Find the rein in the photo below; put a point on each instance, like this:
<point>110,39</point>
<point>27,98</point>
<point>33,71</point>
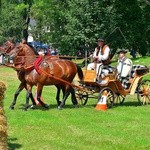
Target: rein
<point>61,80</point>
<point>21,62</point>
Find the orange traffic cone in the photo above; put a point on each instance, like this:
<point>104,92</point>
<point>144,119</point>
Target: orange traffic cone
<point>102,103</point>
<point>35,99</point>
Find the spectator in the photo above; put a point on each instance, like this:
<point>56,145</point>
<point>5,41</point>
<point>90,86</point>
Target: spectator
<point>48,51</point>
<point>53,52</point>
<point>133,53</point>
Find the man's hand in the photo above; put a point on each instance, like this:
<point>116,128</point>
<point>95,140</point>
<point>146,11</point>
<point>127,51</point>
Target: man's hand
<point>96,57</point>
<point>91,56</point>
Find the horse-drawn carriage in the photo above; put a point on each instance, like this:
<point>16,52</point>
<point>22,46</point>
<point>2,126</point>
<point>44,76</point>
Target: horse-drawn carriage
<point>116,90</point>
<point>43,73</point>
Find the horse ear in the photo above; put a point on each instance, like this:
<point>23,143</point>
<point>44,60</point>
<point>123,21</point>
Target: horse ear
<point>24,41</point>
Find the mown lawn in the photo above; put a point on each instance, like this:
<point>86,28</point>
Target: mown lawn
<point>125,127</point>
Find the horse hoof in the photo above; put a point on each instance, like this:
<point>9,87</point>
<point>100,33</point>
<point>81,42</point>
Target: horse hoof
<point>76,106</point>
<point>24,109</point>
<point>32,107</point>
<point>46,106</point>
<point>11,107</point>
<point>60,108</point>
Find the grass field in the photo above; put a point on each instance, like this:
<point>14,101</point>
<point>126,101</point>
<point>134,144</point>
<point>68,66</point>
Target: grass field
<point>125,127</point>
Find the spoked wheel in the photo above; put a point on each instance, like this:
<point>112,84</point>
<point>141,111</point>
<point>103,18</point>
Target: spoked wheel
<point>110,96</point>
<point>82,97</point>
<point>119,99</point>
<point>143,92</point>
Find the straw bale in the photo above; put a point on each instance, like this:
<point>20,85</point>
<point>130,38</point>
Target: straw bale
<point>3,121</point>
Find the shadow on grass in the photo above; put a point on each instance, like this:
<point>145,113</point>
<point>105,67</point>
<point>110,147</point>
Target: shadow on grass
<point>66,106</point>
<point>125,104</point>
<point>51,106</point>
<point>71,106</point>
<point>130,104</point>
<point>12,145</point>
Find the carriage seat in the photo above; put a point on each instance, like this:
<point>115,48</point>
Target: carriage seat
<point>139,70</point>
<point>107,74</point>
<point>136,70</point>
<point>90,75</point>
<point>107,70</point>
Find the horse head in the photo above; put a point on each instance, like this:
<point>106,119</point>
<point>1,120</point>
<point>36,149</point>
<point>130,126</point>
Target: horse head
<point>8,46</point>
<point>11,51</point>
<point>22,55</point>
<point>5,49</point>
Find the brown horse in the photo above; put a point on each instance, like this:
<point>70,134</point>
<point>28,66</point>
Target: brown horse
<point>61,69</point>
<point>8,47</point>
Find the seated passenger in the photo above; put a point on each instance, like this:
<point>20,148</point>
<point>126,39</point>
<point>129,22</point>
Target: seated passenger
<point>124,68</point>
<point>100,56</point>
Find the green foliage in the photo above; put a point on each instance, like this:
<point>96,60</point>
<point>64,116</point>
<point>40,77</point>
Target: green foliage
<point>130,19</point>
<point>11,23</point>
<point>76,24</point>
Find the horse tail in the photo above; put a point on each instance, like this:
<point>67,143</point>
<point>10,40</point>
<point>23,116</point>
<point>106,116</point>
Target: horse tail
<point>80,72</point>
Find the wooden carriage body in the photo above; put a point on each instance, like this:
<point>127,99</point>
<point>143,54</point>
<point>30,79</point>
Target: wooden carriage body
<point>116,87</point>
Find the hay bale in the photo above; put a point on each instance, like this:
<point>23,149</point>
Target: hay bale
<point>3,122</point>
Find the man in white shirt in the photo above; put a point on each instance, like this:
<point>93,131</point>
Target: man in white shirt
<point>100,56</point>
<point>124,64</point>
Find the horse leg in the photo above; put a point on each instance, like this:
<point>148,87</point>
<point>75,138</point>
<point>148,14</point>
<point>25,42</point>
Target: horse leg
<point>28,95</point>
<point>65,96</point>
<point>27,101</point>
<point>64,100</point>
<point>58,95</point>
<point>63,90</point>
<point>33,101</point>
<point>39,92</point>
<point>20,88</point>
<point>73,97</point>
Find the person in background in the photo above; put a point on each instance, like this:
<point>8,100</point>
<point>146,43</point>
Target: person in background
<point>100,57</point>
<point>48,51</point>
<point>133,53</point>
<point>41,52</point>
<point>53,52</point>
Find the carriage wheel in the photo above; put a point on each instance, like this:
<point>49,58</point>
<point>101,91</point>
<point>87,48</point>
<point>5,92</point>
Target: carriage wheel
<point>143,92</point>
<point>110,96</point>
<point>82,97</point>
<point>119,99</point>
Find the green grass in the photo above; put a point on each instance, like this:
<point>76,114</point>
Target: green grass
<point>125,127</point>
<point>139,60</point>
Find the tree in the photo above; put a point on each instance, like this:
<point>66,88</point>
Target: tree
<point>128,17</point>
<point>25,7</point>
<point>41,12</point>
<point>145,7</point>
<point>72,25</point>
<point>10,21</point>
<point>78,24</point>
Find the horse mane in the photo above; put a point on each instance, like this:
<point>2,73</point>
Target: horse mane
<point>34,50</point>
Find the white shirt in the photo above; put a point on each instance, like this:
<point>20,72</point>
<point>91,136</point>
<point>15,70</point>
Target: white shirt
<point>124,66</point>
<point>100,56</point>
